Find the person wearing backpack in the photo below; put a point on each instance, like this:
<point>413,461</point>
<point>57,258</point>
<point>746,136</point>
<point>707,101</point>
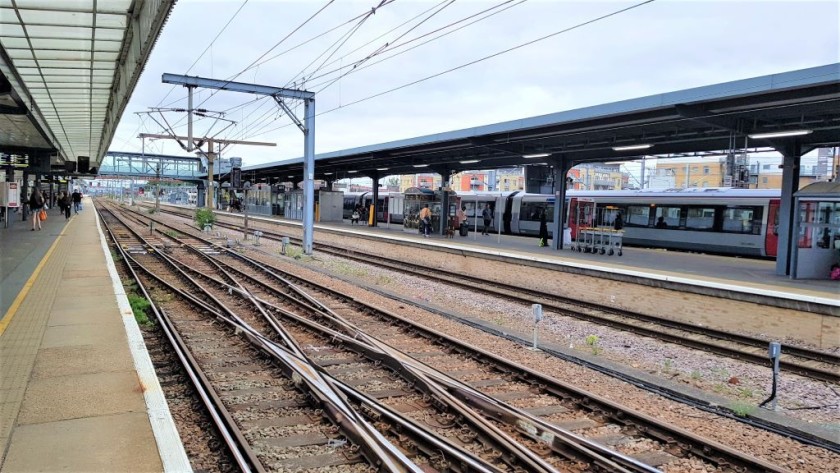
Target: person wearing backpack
<point>36,204</point>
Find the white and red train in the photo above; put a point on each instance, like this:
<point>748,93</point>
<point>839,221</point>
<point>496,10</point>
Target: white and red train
<point>711,220</point>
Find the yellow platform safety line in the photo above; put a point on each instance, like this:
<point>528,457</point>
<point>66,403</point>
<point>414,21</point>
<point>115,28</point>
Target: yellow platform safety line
<point>7,318</point>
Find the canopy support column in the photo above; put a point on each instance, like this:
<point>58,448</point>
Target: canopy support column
<point>561,170</point>
<point>790,184</point>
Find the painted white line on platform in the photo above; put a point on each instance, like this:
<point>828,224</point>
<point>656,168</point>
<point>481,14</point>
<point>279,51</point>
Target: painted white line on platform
<point>170,447</point>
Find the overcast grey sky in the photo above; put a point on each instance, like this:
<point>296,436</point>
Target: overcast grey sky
<point>657,47</point>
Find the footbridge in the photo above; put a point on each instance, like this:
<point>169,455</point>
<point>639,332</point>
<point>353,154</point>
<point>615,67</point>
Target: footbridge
<point>120,164</point>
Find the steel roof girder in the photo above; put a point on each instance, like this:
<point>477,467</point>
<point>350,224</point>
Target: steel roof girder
<point>192,81</point>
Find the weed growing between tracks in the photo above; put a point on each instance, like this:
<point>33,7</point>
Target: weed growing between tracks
<point>139,305</point>
<point>204,217</point>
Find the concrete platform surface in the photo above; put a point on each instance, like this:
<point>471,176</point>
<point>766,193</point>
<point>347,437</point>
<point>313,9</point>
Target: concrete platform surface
<point>71,398</point>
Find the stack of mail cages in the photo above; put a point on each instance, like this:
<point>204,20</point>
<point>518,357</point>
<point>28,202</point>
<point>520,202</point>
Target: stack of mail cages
<point>816,241</point>
<point>595,233</point>
<point>415,198</point>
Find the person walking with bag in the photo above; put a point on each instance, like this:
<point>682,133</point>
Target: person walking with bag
<point>36,206</point>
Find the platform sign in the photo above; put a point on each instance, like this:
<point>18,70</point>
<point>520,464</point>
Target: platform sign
<point>10,194</point>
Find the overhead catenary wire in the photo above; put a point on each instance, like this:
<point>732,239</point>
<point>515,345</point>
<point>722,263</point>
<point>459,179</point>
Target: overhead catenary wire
<point>391,44</point>
<point>476,61</point>
<point>356,66</point>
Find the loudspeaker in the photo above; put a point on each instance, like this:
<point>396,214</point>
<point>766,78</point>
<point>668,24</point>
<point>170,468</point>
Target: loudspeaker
<point>69,166</point>
<point>83,164</point>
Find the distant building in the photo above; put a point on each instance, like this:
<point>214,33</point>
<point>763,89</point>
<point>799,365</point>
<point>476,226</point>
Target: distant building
<point>597,177</point>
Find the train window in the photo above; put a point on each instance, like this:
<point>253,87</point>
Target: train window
<point>824,212</point>
<point>670,214</point>
<point>470,211</point>
<point>742,220</point>
<point>530,211</point>
<point>700,218</point>
<point>637,216</point>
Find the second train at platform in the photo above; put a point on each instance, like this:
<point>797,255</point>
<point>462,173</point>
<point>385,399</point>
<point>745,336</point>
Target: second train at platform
<point>711,220</point>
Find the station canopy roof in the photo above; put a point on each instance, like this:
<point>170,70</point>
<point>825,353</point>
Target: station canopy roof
<point>67,70</point>
<point>713,118</point>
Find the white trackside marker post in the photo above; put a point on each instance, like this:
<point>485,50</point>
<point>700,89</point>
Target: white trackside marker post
<point>538,316</point>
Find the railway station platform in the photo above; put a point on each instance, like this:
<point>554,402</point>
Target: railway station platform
<point>747,276</point>
<point>77,388</point>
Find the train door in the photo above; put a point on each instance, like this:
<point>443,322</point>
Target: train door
<point>771,233</point>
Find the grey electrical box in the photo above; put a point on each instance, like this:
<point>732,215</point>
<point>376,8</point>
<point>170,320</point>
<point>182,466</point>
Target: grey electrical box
<point>538,314</point>
<point>775,350</point>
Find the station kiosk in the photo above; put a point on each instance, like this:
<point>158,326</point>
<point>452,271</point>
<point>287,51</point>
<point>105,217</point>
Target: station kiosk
<point>415,198</point>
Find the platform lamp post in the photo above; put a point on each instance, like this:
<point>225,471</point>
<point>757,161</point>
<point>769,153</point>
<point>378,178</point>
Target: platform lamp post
<point>157,189</point>
<point>245,188</point>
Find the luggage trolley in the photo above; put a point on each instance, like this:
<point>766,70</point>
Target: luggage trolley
<point>614,242</point>
<point>584,222</point>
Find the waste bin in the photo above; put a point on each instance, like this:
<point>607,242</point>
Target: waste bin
<point>464,229</point>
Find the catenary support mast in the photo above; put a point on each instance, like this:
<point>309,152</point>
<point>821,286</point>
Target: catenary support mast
<point>307,127</point>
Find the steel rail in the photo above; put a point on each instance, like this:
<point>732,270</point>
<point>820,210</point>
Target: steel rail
<point>531,296</point>
<point>665,432</point>
<point>401,363</point>
<point>436,443</point>
<point>239,448</point>
<point>377,449</point>
<point>683,436</point>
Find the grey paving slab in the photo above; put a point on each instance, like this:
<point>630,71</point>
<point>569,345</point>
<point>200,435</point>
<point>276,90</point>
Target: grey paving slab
<point>84,334</point>
<point>108,443</point>
<point>93,315</point>
<point>86,359</point>
<point>103,299</point>
<point>85,395</point>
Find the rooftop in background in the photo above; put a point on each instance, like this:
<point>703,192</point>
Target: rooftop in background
<point>699,119</point>
<point>67,70</point>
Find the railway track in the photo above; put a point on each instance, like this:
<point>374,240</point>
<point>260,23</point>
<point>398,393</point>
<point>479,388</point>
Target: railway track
<point>478,381</point>
<point>220,358</point>
<point>802,361</point>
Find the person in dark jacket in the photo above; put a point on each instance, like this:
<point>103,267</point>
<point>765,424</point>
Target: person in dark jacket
<point>543,230</point>
<point>36,204</point>
<point>77,201</point>
<point>64,203</point>
<point>618,223</point>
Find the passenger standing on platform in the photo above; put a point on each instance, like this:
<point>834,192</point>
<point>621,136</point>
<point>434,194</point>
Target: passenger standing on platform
<point>36,204</point>
<point>77,201</point>
<point>354,217</point>
<point>426,221</point>
<point>59,202</point>
<point>487,215</point>
<point>461,214</point>
<point>618,223</point>
<point>64,203</point>
<point>543,230</point>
